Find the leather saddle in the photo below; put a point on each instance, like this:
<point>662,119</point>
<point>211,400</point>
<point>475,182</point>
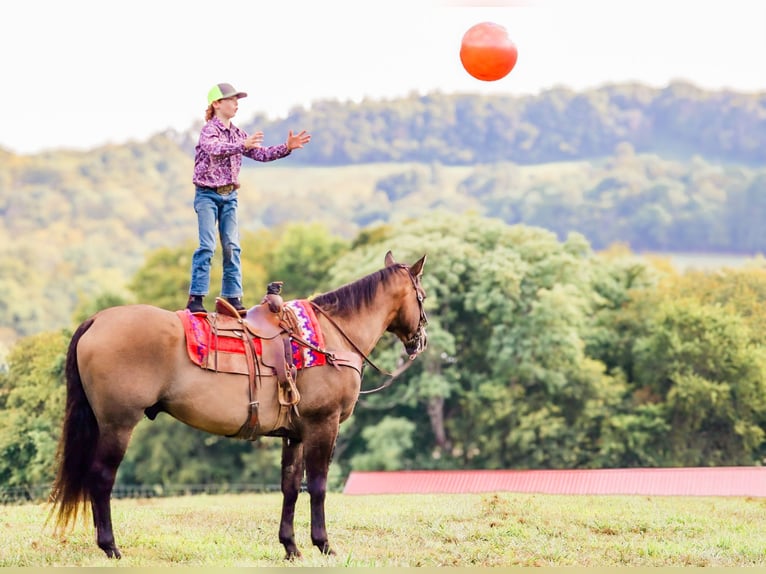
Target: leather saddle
<point>273,324</point>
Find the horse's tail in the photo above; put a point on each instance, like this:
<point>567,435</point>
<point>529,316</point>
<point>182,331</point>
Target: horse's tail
<point>77,444</point>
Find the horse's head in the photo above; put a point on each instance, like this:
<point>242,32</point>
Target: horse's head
<point>411,320</point>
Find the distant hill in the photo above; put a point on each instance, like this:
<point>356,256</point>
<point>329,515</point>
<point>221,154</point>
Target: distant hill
<point>673,169</point>
<point>679,121</point>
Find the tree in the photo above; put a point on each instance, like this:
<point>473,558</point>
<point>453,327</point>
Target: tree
<point>32,401</point>
<point>699,363</point>
<point>301,257</point>
<point>505,380</point>
<point>387,445</point>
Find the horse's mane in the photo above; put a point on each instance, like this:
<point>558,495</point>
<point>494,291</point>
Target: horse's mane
<point>360,293</point>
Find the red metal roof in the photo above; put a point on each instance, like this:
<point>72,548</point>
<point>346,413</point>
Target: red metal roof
<point>714,481</point>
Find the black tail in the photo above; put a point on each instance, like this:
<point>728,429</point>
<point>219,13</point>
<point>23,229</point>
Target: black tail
<point>77,444</point>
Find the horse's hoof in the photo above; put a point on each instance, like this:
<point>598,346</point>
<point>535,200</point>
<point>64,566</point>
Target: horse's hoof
<point>293,554</point>
<point>325,549</point>
<point>112,552</point>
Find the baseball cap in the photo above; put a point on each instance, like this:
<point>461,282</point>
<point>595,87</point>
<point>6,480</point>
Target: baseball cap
<point>220,91</point>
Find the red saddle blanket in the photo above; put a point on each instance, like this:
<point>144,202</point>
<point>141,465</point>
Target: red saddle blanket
<point>200,341</point>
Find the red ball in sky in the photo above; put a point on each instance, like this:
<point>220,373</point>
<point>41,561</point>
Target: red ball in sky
<point>487,53</point>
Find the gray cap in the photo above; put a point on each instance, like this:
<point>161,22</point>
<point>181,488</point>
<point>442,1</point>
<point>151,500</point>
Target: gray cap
<point>220,91</point>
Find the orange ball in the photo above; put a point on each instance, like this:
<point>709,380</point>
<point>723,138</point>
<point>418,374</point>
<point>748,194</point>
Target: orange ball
<point>487,52</point>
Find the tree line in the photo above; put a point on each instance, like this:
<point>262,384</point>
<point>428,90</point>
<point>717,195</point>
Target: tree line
<point>677,121</point>
<point>542,354</point>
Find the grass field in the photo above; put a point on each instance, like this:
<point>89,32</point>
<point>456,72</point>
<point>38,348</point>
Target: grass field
<point>488,530</point>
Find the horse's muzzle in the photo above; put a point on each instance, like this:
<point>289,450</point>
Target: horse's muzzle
<point>417,344</point>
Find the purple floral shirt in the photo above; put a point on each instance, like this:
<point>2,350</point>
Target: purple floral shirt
<point>218,155</point>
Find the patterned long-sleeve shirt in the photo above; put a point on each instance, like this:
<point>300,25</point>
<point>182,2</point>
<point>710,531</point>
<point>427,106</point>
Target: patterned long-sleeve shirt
<point>218,155</point>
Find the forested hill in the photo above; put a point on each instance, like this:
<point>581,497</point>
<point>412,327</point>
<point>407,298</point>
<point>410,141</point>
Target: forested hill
<point>678,121</point>
<point>673,169</point>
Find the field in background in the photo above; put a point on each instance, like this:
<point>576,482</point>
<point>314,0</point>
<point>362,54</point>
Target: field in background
<point>707,261</point>
<point>486,530</point>
<point>307,183</point>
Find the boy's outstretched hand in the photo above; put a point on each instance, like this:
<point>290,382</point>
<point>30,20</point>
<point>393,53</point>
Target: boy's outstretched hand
<point>298,140</point>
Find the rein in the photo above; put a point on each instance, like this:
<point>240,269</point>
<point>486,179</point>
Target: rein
<point>398,371</point>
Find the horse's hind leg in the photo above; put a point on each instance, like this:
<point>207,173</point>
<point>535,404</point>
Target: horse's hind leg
<point>292,476</point>
<point>102,473</point>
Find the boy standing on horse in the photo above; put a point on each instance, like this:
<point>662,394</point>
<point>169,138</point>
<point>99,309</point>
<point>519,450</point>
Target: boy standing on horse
<point>217,162</point>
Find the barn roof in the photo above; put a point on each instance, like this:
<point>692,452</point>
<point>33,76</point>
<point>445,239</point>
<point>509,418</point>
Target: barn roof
<point>713,481</point>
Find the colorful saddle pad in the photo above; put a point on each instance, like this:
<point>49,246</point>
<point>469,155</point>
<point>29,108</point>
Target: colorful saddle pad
<point>200,341</point>
<point>311,332</point>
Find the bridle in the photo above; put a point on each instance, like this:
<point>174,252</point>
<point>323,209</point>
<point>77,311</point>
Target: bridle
<point>423,317</point>
<point>423,321</point>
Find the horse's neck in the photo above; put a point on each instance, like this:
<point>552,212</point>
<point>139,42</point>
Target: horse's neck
<point>367,325</point>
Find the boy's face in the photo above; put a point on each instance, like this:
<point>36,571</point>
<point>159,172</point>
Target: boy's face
<point>226,107</point>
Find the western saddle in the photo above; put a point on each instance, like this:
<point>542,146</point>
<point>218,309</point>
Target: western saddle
<point>275,324</point>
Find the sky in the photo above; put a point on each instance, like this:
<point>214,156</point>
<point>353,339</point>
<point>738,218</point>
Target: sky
<point>78,74</point>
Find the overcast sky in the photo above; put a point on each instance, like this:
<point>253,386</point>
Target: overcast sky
<point>81,73</point>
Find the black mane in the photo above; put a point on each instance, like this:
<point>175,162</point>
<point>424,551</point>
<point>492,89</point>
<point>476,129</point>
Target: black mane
<point>360,293</point>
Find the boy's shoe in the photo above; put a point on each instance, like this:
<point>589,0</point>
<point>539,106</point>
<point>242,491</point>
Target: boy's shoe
<point>195,304</point>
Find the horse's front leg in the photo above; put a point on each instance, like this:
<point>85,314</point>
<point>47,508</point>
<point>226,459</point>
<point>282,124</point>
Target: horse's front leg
<point>292,476</point>
<point>318,452</point>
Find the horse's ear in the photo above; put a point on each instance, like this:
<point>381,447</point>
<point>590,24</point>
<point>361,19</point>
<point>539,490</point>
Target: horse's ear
<point>417,268</point>
<point>390,259</point>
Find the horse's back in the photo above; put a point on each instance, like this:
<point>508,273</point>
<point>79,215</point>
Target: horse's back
<point>139,332</point>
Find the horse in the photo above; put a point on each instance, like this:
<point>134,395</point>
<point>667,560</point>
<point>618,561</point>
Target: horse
<point>130,361</point>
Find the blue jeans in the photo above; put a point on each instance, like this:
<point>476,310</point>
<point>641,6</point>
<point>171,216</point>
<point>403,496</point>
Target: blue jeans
<point>216,213</point>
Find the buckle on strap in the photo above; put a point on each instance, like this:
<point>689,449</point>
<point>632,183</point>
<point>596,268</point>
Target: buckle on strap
<point>226,189</point>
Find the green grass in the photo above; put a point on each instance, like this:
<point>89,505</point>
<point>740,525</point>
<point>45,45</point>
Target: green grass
<point>468,530</point>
